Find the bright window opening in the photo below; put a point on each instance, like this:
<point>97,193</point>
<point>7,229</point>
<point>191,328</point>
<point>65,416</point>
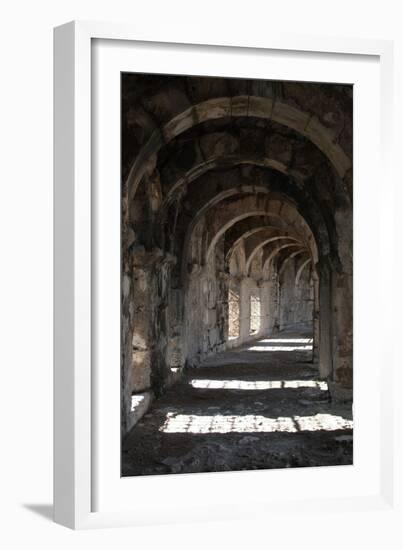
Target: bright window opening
<point>233,315</point>
<point>254,326</point>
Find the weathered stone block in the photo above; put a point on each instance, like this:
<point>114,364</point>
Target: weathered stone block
<point>141,370</point>
<point>125,286</point>
<point>142,334</point>
<point>218,144</point>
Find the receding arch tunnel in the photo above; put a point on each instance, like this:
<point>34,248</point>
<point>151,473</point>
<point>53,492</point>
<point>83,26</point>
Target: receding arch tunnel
<point>236,229</point>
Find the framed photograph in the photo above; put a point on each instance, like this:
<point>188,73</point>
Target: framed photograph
<point>220,233</point>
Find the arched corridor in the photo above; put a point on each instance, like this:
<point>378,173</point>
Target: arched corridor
<point>236,274</point>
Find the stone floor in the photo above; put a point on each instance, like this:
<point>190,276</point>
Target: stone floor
<point>260,406</point>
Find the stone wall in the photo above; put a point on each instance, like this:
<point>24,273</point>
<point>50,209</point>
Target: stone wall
<point>206,309</point>
<point>232,184</point>
<point>296,299</point>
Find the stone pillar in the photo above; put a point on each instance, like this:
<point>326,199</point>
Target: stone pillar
<point>325,320</point>
<point>269,306</point>
<point>265,307</point>
<point>154,196</point>
<point>223,280</point>
<point>244,310</point>
<point>195,298</point>
<point>336,326</point>
<point>342,298</point>
<point>342,302</point>
<point>142,375</point>
<point>127,313</point>
<point>276,305</point>
<point>316,320</point>
<point>144,295</point>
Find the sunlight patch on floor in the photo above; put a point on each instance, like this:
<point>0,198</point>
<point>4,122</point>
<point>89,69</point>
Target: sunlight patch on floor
<point>196,424</point>
<point>286,341</point>
<point>257,384</point>
<point>280,348</point>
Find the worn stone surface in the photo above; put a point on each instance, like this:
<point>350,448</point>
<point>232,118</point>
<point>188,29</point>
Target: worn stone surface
<point>241,410</point>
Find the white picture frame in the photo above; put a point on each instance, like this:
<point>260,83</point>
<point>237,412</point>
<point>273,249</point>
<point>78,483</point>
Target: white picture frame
<point>80,423</point>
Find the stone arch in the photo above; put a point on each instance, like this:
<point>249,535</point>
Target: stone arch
<point>243,234</point>
<point>217,150</point>
<point>301,269</point>
<point>290,257</point>
<point>265,242</point>
<point>271,206</point>
<point>259,107</point>
<point>318,219</point>
<point>232,220</point>
<point>273,253</point>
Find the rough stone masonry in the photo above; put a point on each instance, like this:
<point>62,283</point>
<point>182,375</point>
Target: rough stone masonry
<point>236,226</point>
